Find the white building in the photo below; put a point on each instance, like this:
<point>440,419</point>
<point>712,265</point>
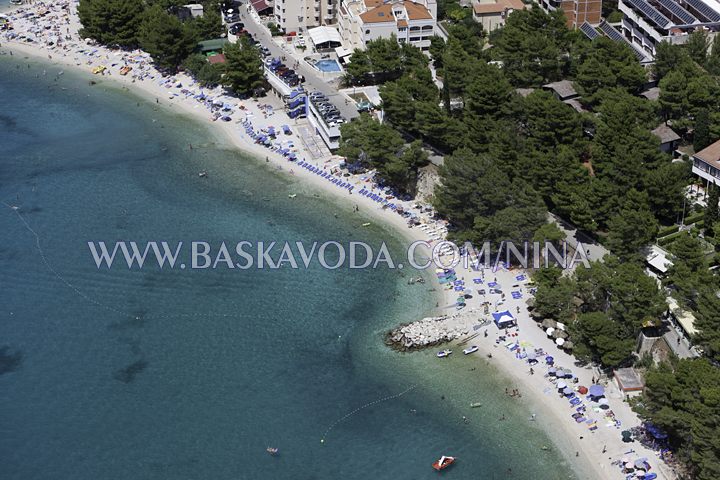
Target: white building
<point>647,23</point>
<point>491,14</point>
<point>706,164</point>
<point>300,15</point>
<point>413,22</point>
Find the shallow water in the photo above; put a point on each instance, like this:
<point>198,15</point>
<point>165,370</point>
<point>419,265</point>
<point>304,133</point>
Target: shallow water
<point>192,374</point>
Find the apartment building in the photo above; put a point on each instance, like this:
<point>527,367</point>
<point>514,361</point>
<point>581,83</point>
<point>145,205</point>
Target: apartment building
<point>300,15</point>
<point>706,164</point>
<point>577,12</point>
<point>647,23</point>
<point>360,21</point>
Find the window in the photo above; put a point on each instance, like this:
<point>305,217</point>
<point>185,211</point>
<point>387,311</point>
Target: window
<point>414,39</point>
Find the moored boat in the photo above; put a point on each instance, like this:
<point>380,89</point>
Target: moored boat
<point>470,350</point>
<point>476,405</point>
<point>272,450</point>
<point>444,353</point>
<point>443,463</point>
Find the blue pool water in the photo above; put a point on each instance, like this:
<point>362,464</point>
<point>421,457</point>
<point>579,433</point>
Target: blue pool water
<point>328,66</point>
<point>168,374</point>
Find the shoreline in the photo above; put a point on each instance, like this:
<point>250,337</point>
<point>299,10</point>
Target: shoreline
<point>552,421</point>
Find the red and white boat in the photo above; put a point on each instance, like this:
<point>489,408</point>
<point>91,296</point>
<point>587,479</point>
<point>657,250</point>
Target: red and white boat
<point>443,463</point>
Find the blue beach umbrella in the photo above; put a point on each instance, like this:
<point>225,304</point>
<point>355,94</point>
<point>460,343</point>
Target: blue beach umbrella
<point>596,391</point>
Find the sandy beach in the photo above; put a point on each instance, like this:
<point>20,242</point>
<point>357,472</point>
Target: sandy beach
<point>592,452</point>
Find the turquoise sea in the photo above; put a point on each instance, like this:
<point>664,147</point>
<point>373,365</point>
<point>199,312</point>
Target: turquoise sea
<point>179,374</point>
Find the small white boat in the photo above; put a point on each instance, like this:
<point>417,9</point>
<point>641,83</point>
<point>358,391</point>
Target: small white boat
<point>476,405</point>
<point>292,195</point>
<point>444,353</point>
<point>470,350</point>
<point>202,174</point>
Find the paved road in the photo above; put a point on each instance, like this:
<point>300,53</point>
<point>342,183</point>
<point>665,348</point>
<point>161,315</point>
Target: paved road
<point>681,347</point>
<point>313,80</point>
<point>573,237</point>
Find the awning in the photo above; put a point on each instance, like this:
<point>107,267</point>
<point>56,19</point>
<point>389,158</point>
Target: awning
<point>260,6</point>
<point>686,321</point>
<point>342,52</point>
<point>324,34</point>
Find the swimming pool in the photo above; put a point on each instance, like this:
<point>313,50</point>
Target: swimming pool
<point>328,66</point>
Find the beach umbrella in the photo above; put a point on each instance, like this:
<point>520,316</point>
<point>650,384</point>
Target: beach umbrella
<point>551,371</point>
<point>626,437</point>
<point>567,390</point>
<point>561,385</point>
<point>568,345</point>
<point>550,331</point>
<point>559,341</point>
<point>582,390</point>
<point>531,356</point>
<point>568,373</point>
<point>549,360</point>
<point>640,463</point>
<point>603,401</point>
<point>596,391</point>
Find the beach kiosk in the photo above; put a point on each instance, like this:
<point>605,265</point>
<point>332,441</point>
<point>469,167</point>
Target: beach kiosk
<point>504,319</point>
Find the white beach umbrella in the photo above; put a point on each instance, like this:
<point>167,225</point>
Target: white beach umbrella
<point>550,331</point>
<point>559,341</point>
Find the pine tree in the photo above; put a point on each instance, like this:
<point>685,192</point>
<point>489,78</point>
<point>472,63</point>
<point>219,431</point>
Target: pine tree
<point>243,67</point>
<point>712,211</point>
<point>111,22</point>
<point>701,135</point>
<point>165,38</point>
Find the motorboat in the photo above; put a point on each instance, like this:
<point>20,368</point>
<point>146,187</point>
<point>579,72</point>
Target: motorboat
<point>470,350</point>
<point>292,195</point>
<point>202,174</point>
<point>444,353</point>
<point>443,463</point>
<point>476,405</point>
<point>272,450</point>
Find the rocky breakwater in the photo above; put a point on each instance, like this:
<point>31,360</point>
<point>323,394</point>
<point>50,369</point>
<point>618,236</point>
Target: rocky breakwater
<point>427,332</point>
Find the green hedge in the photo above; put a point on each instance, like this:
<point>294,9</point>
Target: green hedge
<point>664,231</point>
<point>670,238</point>
<point>695,217</point>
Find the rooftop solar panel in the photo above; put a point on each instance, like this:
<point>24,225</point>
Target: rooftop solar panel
<point>650,12</point>
<point>703,10</point>
<point>589,31</point>
<point>616,36</point>
<point>678,11</point>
